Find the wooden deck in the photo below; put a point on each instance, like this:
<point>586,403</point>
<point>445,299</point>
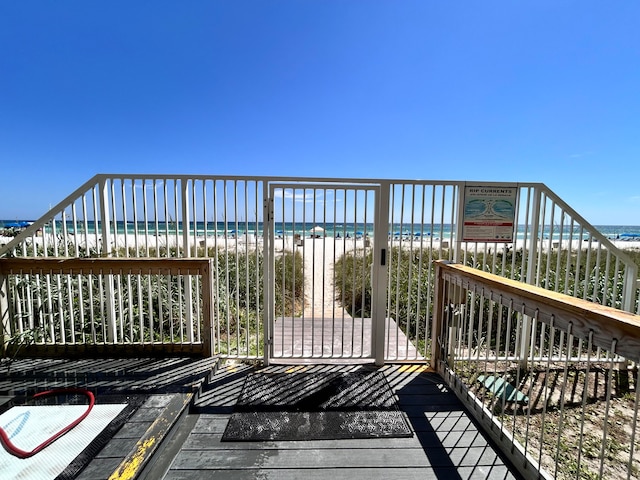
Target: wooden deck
<point>160,391</point>
<point>446,443</point>
<point>184,410</point>
<point>340,337</point>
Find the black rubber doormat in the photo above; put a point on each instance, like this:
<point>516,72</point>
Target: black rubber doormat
<point>316,406</point>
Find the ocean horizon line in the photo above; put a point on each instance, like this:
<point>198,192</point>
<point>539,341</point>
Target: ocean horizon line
<point>244,227</point>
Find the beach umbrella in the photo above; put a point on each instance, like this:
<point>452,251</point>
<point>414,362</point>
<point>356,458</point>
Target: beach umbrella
<point>317,228</point>
<point>359,233</point>
<point>17,224</point>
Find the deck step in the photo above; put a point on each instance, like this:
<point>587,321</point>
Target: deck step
<point>144,449</point>
<point>146,454</point>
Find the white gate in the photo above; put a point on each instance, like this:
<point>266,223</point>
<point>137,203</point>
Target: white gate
<point>325,246</point>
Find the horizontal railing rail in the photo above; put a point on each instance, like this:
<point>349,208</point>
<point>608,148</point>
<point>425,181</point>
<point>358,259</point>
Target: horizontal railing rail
<point>80,306</point>
<point>565,406</point>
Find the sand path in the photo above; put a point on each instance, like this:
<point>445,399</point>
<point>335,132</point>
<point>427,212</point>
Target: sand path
<point>320,255</point>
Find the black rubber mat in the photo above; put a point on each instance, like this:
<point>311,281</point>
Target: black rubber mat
<point>316,391</point>
<point>81,461</point>
<point>316,406</point>
<point>330,425</point>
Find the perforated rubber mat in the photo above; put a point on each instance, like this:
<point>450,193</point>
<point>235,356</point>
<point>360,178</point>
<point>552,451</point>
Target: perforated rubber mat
<point>316,406</point>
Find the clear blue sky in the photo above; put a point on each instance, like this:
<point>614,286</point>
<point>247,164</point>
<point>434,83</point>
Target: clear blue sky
<point>540,91</point>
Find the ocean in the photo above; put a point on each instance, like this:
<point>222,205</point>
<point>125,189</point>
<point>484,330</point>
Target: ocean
<point>240,228</point>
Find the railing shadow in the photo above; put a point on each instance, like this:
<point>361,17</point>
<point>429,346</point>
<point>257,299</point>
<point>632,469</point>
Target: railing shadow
<point>453,443</point>
<point>142,375</point>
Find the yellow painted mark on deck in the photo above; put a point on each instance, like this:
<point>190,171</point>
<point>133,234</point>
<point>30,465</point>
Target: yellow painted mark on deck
<point>297,368</point>
<point>414,368</point>
<point>130,469</point>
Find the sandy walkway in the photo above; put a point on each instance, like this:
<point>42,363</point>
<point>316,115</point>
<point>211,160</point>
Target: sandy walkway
<point>319,256</point>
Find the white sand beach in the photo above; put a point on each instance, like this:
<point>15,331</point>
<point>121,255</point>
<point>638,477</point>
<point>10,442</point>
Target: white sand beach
<point>330,244</point>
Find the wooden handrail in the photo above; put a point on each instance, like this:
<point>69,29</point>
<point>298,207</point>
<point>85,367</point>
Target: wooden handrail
<point>116,266</point>
<point>608,324</point>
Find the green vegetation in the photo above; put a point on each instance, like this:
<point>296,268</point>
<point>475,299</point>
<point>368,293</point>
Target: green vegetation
<point>239,297</point>
<point>13,344</point>
<point>577,273</point>
<point>152,308</point>
<point>77,303</point>
<point>408,302</point>
<point>410,277</point>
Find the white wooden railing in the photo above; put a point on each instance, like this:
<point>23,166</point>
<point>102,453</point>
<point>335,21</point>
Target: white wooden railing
<point>541,371</point>
<point>225,219</point>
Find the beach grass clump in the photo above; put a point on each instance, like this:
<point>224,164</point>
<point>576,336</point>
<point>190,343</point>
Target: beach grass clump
<point>75,308</point>
<point>239,297</point>
<point>409,276</point>
<point>574,273</point>
<point>152,308</point>
<point>353,289</point>
<point>289,284</point>
<point>577,273</point>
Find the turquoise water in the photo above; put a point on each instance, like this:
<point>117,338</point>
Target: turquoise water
<point>291,228</point>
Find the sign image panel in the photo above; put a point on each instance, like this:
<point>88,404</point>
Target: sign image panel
<point>489,214</point>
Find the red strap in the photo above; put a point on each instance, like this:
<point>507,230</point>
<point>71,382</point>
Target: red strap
<point>17,452</point>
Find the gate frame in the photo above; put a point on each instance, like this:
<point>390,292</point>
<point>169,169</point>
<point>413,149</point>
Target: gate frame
<point>379,269</point>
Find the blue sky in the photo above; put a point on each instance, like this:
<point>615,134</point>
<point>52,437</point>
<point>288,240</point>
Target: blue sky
<point>542,91</point>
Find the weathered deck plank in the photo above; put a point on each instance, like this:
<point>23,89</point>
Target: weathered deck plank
<point>328,337</point>
<point>152,384</point>
<point>446,443</point>
<point>406,473</point>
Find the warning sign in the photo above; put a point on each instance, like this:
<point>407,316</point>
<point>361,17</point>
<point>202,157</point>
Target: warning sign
<point>489,214</point>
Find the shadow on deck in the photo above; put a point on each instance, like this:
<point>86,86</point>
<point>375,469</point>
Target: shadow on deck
<point>184,409</point>
<point>337,337</point>
<point>446,443</point>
